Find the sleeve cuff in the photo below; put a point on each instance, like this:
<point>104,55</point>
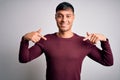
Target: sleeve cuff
<point>105,44</point>
<point>24,40</point>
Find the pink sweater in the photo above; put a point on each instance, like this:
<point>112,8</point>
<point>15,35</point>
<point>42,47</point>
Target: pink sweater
<point>64,56</point>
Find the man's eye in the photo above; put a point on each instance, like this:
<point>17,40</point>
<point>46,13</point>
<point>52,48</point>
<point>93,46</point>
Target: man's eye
<point>59,16</point>
<point>68,16</point>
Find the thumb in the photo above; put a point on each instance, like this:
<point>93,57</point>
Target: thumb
<point>39,30</point>
<point>87,37</point>
<point>87,33</point>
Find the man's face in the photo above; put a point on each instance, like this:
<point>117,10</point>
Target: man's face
<point>64,19</point>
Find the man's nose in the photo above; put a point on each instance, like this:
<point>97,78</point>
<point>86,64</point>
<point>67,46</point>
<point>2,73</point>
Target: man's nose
<point>64,19</point>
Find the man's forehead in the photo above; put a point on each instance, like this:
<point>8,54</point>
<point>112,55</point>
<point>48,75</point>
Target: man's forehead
<point>65,12</point>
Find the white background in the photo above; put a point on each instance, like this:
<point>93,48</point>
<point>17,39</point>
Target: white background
<point>18,17</point>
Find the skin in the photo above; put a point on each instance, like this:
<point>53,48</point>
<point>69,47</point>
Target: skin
<point>34,36</point>
<point>64,20</point>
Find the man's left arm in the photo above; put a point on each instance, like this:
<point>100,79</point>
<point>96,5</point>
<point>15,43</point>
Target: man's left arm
<point>103,56</point>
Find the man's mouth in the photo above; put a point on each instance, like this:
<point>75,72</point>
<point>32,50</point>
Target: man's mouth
<point>63,24</point>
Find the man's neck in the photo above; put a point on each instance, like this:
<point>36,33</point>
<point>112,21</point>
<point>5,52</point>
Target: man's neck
<point>67,34</point>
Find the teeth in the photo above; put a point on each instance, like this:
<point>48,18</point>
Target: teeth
<point>63,24</point>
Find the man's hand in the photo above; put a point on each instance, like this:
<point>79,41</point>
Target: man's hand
<point>34,36</point>
<point>94,37</point>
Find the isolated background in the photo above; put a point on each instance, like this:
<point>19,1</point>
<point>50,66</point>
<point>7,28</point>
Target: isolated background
<point>18,17</point>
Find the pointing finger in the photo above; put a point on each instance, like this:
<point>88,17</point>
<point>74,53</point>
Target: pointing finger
<point>88,36</point>
<point>43,37</point>
<point>39,31</point>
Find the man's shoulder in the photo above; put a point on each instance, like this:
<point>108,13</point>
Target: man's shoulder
<point>79,36</point>
<point>87,42</point>
<point>50,36</point>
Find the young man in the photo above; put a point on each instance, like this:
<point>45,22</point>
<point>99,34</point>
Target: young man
<point>65,50</point>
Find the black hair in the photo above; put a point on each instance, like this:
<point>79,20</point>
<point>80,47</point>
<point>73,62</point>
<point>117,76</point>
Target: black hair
<point>64,6</point>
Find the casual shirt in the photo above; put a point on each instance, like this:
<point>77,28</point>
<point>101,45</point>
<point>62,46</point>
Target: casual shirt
<point>64,56</point>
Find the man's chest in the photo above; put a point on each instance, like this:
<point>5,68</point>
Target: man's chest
<point>65,50</point>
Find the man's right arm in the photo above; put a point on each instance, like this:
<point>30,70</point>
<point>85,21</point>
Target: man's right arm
<point>27,54</point>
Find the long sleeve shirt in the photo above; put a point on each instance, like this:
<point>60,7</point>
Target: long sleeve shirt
<point>64,56</point>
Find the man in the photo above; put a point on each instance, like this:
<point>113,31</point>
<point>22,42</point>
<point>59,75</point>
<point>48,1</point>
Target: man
<point>65,50</point>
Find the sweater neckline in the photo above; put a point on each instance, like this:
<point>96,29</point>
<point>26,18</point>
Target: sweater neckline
<point>64,38</point>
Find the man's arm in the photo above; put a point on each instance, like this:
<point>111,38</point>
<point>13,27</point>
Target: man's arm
<point>103,56</point>
<point>27,54</point>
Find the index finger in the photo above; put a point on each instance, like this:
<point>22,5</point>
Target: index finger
<point>43,37</point>
<point>86,38</point>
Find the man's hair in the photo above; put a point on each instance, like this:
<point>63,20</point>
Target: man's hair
<point>64,6</point>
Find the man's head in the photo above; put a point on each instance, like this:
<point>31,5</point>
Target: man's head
<point>64,6</point>
<point>64,16</point>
